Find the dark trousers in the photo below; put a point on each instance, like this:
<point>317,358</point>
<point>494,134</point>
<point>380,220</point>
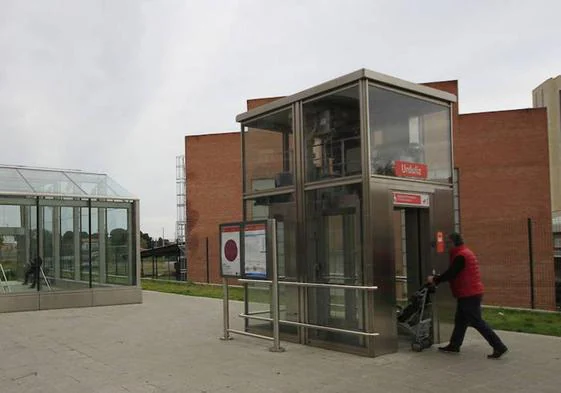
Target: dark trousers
<point>29,272</point>
<point>468,313</point>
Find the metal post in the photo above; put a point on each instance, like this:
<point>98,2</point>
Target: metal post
<point>153,258</point>
<point>207,263</point>
<point>90,241</point>
<point>169,270</point>
<point>226,316</point>
<point>39,245</point>
<point>272,229</point>
<point>531,261</point>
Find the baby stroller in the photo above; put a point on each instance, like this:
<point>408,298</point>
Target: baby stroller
<point>416,319</point>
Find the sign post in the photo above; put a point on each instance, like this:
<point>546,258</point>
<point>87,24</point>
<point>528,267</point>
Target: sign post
<point>248,250</point>
<point>230,265</point>
<point>272,228</point>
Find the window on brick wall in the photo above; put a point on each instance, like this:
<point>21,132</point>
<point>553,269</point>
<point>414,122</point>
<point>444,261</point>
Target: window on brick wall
<point>456,183</point>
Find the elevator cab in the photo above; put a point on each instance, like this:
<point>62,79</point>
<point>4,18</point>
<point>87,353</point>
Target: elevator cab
<point>357,172</point>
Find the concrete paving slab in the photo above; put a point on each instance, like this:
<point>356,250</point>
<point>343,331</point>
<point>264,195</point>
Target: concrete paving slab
<point>170,344</point>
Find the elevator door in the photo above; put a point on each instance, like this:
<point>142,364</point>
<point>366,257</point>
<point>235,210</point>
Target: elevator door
<point>338,261</point>
<point>412,251</point>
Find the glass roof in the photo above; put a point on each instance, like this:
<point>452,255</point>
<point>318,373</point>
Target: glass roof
<point>19,180</point>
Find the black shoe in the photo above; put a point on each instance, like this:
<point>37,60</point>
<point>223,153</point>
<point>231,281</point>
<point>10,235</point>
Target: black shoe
<point>449,349</point>
<point>497,353</point>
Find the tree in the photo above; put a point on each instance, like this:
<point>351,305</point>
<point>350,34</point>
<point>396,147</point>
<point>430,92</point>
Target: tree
<point>145,240</point>
<point>118,237</point>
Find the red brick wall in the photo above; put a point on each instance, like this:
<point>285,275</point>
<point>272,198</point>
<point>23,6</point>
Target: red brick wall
<point>502,158</point>
<point>504,179</point>
<point>214,189</point>
<point>255,102</point>
<point>214,194</point>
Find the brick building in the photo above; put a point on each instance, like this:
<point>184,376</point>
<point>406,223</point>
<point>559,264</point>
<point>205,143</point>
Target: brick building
<point>502,168</point>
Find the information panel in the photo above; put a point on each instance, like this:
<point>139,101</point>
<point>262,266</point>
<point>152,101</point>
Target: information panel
<point>255,250</point>
<point>230,250</point>
<point>243,250</point>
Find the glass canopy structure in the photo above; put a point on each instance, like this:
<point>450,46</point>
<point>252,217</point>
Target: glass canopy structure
<point>64,232</point>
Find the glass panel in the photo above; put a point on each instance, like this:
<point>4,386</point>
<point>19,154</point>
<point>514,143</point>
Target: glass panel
<point>84,244</point>
<point>334,239</point>
<point>10,180</point>
<point>67,251</point>
<point>32,231</point>
<point>410,137</point>
<point>51,182</point>
<point>30,275</point>
<point>269,151</point>
<point>259,305</point>
<point>118,258</point>
<point>283,209</point>
<point>98,184</point>
<point>332,135</point>
<point>10,219</point>
<point>13,249</point>
<point>47,231</point>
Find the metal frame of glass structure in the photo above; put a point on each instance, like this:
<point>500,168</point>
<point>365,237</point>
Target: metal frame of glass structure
<point>324,164</point>
<point>83,226</point>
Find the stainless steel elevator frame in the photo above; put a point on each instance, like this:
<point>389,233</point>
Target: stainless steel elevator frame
<point>377,260</point>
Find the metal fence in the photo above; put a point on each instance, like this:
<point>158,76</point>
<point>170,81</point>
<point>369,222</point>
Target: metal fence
<point>159,268</point>
<point>520,261</point>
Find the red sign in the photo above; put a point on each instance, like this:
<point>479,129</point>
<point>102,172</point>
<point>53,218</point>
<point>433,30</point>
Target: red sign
<point>402,198</point>
<point>439,242</point>
<point>411,169</point>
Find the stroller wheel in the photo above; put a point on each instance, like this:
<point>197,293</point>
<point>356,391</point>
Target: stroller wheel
<point>416,347</point>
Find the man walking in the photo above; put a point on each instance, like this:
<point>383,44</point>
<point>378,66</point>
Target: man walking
<point>465,282</point>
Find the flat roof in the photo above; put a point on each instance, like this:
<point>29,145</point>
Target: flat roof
<point>344,80</point>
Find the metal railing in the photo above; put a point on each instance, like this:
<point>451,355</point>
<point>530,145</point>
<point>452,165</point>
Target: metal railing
<point>275,318</point>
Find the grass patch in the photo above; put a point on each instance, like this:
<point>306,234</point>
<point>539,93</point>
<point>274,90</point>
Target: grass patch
<point>190,289</point>
<point>500,319</point>
<point>524,321</point>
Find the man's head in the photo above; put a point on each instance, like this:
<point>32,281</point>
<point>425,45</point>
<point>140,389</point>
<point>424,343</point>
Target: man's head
<point>456,239</point>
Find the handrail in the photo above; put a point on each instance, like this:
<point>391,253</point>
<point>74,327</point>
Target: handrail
<point>312,326</point>
<point>311,284</point>
<point>275,311</point>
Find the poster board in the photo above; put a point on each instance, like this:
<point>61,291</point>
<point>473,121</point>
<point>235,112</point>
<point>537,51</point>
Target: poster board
<point>230,249</point>
<point>243,250</point>
<point>255,260</point>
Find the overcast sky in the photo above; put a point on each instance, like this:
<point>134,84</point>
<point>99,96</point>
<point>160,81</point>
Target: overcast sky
<point>114,86</point>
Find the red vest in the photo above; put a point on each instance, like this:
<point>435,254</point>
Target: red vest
<point>468,282</point>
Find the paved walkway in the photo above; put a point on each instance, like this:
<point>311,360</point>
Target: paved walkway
<point>169,344</point>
